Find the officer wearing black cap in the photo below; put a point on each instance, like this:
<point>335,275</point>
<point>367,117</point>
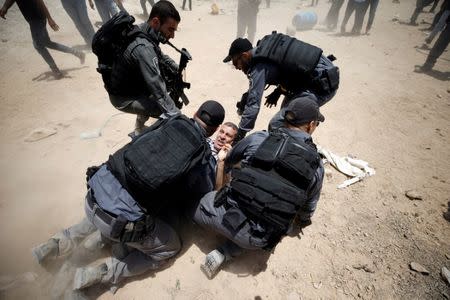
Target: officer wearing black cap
<point>277,185</point>
<point>262,71</point>
<point>165,167</point>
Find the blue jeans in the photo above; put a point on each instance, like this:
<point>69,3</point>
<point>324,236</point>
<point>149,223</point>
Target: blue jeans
<point>106,9</point>
<point>41,41</point>
<point>77,11</point>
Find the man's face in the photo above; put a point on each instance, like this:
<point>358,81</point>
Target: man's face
<point>225,135</point>
<point>241,62</point>
<point>167,29</point>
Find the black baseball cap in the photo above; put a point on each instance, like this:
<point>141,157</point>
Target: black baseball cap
<point>211,113</point>
<point>238,46</point>
<point>303,110</point>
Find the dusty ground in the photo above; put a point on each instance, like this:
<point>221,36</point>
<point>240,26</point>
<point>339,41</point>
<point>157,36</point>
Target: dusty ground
<point>362,238</point>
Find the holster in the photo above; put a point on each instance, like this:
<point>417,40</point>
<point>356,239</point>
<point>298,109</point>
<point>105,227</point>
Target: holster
<point>137,231</point>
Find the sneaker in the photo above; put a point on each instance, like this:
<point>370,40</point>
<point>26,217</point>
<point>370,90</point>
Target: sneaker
<point>45,250</point>
<point>422,69</point>
<point>212,264</point>
<point>88,276</point>
<point>57,73</point>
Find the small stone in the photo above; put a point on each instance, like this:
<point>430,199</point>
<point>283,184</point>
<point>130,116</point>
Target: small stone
<point>445,274</point>
<point>418,268</point>
<point>317,285</point>
<point>291,31</point>
<point>445,295</point>
<point>447,256</point>
<point>364,267</point>
<point>439,96</point>
<point>413,195</point>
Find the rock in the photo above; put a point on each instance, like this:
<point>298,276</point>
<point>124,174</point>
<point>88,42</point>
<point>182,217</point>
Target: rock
<point>364,267</point>
<point>317,285</point>
<point>445,274</point>
<point>445,295</point>
<point>448,90</point>
<point>439,96</point>
<point>290,31</point>
<point>39,134</point>
<point>418,268</point>
<point>447,256</point>
<point>413,195</point>
<point>214,9</point>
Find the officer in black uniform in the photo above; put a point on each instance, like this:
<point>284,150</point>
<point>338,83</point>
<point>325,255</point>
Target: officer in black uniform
<point>279,180</point>
<point>262,70</point>
<point>165,168</point>
<point>137,82</point>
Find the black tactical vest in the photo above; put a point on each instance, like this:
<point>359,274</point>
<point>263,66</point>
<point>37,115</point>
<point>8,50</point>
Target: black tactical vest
<point>295,58</point>
<point>273,188</point>
<point>151,166</point>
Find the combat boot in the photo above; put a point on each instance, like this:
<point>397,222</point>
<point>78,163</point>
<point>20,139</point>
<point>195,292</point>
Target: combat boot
<point>212,264</point>
<point>88,276</point>
<point>140,124</point>
<point>46,250</point>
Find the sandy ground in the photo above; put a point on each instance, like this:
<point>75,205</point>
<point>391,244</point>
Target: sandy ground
<point>362,239</point>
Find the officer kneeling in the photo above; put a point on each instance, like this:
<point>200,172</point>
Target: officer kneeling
<point>167,165</point>
<point>277,184</point>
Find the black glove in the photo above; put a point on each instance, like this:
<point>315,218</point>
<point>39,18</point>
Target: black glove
<point>239,136</point>
<point>272,99</point>
<point>240,105</point>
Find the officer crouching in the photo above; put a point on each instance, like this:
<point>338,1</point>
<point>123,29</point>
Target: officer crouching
<point>277,184</point>
<point>169,164</point>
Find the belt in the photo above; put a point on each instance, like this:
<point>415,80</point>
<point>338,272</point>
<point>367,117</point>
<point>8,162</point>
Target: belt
<point>104,216</point>
<point>121,229</point>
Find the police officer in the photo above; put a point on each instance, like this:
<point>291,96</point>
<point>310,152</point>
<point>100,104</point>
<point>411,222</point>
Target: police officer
<point>137,82</point>
<point>262,71</point>
<point>279,180</point>
<point>124,208</point>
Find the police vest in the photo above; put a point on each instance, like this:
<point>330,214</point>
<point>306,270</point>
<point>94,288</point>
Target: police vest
<point>292,55</point>
<point>152,165</point>
<point>302,65</point>
<point>273,188</point>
